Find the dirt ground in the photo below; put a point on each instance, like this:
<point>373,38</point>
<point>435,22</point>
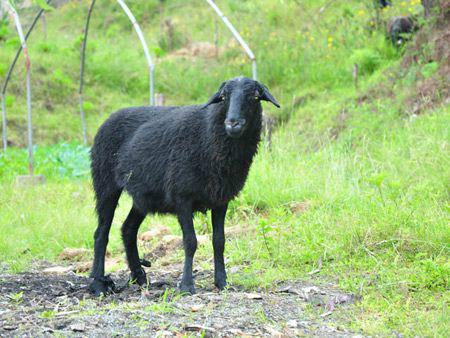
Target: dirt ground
<point>42,304</point>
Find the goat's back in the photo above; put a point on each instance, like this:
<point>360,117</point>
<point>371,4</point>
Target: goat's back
<point>112,135</point>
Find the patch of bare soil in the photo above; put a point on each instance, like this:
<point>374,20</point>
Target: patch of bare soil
<point>37,304</point>
<point>431,44</point>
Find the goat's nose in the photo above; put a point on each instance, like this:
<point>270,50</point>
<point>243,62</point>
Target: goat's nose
<point>232,122</point>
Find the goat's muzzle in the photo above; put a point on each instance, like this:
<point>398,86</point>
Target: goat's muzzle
<point>235,127</point>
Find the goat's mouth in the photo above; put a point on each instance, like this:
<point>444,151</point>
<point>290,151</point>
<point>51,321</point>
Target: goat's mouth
<point>235,128</point>
<point>233,132</point>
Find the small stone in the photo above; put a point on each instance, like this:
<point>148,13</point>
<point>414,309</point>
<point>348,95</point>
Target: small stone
<point>157,232</point>
<point>253,296</point>
<point>83,267</point>
<point>73,253</point>
<point>58,269</point>
<point>9,327</point>
<point>292,323</point>
<point>172,241</point>
<point>197,307</point>
<point>78,327</point>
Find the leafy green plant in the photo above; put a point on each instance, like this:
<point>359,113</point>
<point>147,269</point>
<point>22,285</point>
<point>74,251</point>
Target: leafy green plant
<point>17,297</point>
<point>368,60</point>
<point>265,230</point>
<point>165,305</point>
<point>429,69</point>
<point>4,30</point>
<point>47,314</point>
<point>377,181</point>
<point>44,5</point>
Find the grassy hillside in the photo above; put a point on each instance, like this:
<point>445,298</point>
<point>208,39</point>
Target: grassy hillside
<point>355,183</point>
<point>300,49</point>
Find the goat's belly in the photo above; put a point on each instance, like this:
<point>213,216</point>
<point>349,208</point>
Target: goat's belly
<point>151,203</point>
<point>159,203</point>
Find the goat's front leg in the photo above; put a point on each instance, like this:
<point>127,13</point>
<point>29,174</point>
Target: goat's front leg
<point>190,246</point>
<point>218,222</point>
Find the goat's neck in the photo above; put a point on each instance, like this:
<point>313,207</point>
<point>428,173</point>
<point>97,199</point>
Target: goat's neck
<point>234,156</point>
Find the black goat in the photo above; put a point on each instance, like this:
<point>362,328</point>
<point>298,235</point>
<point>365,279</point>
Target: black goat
<point>384,3</point>
<point>176,160</point>
<point>399,29</point>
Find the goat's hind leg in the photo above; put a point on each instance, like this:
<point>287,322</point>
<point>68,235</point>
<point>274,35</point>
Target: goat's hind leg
<point>105,209</point>
<point>190,246</point>
<point>129,235</point>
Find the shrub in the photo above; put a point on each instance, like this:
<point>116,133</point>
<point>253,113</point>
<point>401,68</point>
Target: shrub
<point>367,59</point>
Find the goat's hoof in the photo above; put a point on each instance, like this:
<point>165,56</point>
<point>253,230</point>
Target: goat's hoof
<point>221,284</point>
<point>188,289</point>
<point>102,286</point>
<point>145,263</point>
<point>139,277</point>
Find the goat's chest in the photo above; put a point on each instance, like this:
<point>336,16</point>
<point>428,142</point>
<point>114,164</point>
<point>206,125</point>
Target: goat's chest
<point>224,182</point>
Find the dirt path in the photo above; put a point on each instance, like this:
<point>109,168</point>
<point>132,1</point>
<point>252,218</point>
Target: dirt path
<point>37,304</point>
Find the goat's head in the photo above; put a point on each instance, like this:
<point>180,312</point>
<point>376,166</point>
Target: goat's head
<point>241,98</point>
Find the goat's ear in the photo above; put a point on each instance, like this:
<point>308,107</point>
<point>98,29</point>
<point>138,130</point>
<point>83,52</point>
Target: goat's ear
<point>265,95</point>
<point>217,97</point>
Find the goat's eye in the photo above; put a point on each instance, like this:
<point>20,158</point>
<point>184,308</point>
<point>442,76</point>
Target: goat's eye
<point>222,97</point>
<point>256,98</point>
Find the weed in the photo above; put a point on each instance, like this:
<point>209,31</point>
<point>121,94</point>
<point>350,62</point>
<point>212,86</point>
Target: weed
<point>17,297</point>
<point>165,305</point>
<point>47,314</point>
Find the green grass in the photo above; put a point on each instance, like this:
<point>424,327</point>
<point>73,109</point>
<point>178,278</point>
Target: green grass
<point>116,74</point>
<point>353,182</point>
